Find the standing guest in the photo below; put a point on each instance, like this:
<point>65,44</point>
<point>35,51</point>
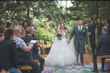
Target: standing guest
<point>1,37</point>
<point>24,26</point>
<point>102,48</point>
<point>24,51</point>
<point>27,39</point>
<point>107,21</point>
<point>8,53</point>
<point>15,23</point>
<point>91,32</point>
<point>99,27</point>
<point>1,23</point>
<point>8,25</point>
<point>33,27</point>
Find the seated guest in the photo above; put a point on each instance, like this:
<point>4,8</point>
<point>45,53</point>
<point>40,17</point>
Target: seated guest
<point>30,24</point>
<point>24,51</point>
<point>1,37</point>
<point>4,25</point>
<point>102,48</point>
<point>8,25</point>
<point>8,53</point>
<point>24,26</point>
<point>27,39</point>
<point>1,29</point>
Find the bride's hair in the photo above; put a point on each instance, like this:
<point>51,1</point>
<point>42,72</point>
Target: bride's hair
<point>63,24</point>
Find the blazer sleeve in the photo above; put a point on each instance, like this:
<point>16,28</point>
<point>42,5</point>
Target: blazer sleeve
<point>72,34</point>
<point>94,26</point>
<point>15,59</point>
<point>99,43</point>
<point>86,36</point>
<point>35,48</point>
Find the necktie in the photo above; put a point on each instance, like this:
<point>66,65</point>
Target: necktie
<point>80,28</point>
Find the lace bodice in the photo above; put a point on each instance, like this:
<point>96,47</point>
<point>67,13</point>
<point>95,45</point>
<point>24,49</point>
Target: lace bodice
<point>63,36</point>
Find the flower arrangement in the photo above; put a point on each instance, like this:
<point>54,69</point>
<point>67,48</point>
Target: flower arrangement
<point>59,35</point>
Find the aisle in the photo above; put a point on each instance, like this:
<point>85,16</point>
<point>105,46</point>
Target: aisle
<point>72,69</point>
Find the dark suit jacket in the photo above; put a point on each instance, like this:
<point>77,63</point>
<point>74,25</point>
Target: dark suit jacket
<point>8,54</point>
<point>103,45</point>
<point>108,28</point>
<point>91,28</point>
<point>99,29</point>
<point>80,36</point>
<point>27,39</point>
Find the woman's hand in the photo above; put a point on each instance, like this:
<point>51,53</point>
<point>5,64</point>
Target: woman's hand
<point>58,37</point>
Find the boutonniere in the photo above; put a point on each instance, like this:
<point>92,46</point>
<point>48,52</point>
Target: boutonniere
<point>83,30</point>
<point>91,24</point>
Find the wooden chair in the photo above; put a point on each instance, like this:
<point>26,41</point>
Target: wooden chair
<point>36,60</point>
<point>107,60</point>
<point>25,68</point>
<point>104,56</point>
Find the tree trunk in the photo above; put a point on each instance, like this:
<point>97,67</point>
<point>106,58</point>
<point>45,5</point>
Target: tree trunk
<point>97,8</point>
<point>27,12</point>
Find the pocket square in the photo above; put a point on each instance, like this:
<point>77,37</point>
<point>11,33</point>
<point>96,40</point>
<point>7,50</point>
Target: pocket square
<point>83,30</point>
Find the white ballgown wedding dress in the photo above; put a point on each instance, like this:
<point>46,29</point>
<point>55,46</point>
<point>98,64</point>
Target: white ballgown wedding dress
<point>62,53</point>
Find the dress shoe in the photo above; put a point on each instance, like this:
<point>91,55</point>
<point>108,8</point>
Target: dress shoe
<point>95,71</point>
<point>92,53</point>
<point>82,64</point>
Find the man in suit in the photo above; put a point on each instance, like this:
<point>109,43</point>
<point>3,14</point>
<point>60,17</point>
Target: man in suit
<point>1,37</point>
<point>27,39</point>
<point>8,53</point>
<point>80,33</point>
<point>99,27</point>
<point>107,21</point>
<point>102,48</point>
<point>91,32</point>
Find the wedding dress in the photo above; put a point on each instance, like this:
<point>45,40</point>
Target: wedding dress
<point>62,53</point>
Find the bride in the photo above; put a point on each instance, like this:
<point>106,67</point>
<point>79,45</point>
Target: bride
<point>62,53</point>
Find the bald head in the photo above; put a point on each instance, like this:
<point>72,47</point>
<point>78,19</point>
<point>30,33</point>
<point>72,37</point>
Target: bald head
<point>17,31</point>
<point>105,29</point>
<point>29,31</point>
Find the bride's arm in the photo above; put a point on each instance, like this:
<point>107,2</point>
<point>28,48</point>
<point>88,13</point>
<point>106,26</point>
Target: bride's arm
<point>67,34</point>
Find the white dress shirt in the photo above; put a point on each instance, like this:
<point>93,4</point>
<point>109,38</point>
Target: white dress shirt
<point>91,22</point>
<point>79,27</point>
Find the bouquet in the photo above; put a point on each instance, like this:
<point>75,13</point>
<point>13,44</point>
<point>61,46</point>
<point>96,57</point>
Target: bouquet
<point>59,35</point>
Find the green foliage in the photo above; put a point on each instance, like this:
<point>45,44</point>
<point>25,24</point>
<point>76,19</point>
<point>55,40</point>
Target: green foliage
<point>46,14</point>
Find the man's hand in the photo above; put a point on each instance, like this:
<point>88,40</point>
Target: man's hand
<point>4,71</point>
<point>68,41</point>
<point>89,33</point>
<point>18,70</point>
<point>31,46</point>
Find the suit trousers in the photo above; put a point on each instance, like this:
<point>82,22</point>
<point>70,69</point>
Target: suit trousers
<point>95,60</point>
<point>41,60</point>
<point>92,42</point>
<point>31,62</point>
<point>80,50</point>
